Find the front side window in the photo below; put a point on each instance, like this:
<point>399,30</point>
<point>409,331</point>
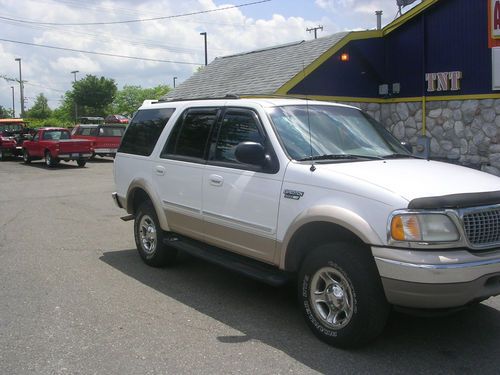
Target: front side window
<point>143,132</point>
<point>190,134</point>
<point>237,126</point>
<point>329,132</point>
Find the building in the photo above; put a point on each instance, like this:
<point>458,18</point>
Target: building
<point>432,77</point>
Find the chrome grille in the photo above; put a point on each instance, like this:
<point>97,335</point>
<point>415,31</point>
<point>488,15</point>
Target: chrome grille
<point>483,227</point>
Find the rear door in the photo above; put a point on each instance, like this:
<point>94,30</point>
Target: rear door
<point>178,172</point>
<point>240,201</point>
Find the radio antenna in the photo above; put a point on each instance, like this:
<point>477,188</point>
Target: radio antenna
<point>313,167</point>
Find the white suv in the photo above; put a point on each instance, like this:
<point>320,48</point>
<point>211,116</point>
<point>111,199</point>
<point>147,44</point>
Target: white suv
<point>282,188</point>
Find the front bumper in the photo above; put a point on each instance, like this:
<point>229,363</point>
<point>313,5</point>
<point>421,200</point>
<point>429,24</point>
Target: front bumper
<point>437,279</point>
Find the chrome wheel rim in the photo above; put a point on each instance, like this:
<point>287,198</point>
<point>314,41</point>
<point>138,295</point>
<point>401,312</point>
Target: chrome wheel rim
<point>48,159</point>
<point>147,234</point>
<point>331,298</point>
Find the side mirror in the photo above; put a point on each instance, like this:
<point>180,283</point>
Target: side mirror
<point>250,153</point>
<point>29,137</point>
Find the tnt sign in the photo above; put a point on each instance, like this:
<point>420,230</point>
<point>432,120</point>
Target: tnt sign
<point>494,23</point>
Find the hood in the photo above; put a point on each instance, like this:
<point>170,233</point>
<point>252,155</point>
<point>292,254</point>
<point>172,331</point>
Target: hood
<point>415,178</point>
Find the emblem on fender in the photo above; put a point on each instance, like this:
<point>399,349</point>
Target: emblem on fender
<point>293,194</point>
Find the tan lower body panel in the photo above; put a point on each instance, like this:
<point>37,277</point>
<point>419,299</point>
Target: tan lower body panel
<point>186,225</point>
<point>227,238</point>
<point>241,242</point>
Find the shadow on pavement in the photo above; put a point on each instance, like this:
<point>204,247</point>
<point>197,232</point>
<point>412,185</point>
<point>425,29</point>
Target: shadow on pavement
<point>467,342</point>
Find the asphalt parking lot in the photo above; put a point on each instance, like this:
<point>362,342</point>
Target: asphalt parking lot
<point>76,299</point>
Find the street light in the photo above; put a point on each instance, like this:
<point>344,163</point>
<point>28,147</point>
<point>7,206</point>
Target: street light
<point>18,59</point>
<point>76,105</point>
<point>13,105</point>
<point>174,81</point>
<point>205,36</point>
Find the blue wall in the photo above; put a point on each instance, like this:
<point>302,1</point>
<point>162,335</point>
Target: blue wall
<point>455,36</point>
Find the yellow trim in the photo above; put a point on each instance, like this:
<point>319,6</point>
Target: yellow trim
<point>358,35</point>
<point>382,100</point>
<point>424,116</point>
<point>408,16</point>
<point>354,35</point>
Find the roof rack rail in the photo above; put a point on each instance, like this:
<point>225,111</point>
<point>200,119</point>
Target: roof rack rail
<point>227,96</point>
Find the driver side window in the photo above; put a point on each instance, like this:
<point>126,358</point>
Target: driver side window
<point>237,126</point>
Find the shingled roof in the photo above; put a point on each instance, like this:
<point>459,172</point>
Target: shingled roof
<point>258,72</point>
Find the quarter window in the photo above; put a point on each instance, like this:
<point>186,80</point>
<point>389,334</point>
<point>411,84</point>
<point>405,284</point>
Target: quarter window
<point>143,132</point>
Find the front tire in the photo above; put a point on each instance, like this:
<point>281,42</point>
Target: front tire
<point>149,238</point>
<point>81,163</point>
<point>341,295</point>
<point>50,161</point>
<point>2,155</point>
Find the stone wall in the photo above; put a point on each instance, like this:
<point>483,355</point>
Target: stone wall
<point>465,132</point>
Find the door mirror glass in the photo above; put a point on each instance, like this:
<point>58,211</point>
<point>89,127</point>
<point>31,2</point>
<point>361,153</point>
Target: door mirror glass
<point>250,153</point>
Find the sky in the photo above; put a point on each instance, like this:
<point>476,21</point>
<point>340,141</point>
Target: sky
<point>173,44</point>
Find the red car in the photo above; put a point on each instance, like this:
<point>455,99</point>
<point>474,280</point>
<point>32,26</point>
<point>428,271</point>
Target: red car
<point>116,119</point>
<point>54,145</point>
<point>12,134</point>
<point>105,138</point>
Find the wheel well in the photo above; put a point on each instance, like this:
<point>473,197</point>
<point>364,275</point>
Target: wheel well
<point>136,198</point>
<point>311,235</point>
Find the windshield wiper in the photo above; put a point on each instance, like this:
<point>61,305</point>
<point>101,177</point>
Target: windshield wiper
<point>340,157</point>
<point>399,156</point>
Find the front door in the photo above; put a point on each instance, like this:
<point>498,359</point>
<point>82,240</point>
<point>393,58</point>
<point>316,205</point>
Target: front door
<point>240,202</point>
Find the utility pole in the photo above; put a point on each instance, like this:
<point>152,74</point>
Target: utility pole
<point>76,105</point>
<point>174,81</point>
<point>205,36</point>
<point>18,59</point>
<point>315,29</point>
<point>13,105</point>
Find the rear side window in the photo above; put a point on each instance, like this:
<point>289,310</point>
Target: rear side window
<point>189,137</point>
<point>112,131</point>
<point>144,130</point>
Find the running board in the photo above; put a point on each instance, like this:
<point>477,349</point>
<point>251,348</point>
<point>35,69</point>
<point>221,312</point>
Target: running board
<point>249,267</point>
<point>128,217</point>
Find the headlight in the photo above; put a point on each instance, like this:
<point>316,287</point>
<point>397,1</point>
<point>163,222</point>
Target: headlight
<point>423,227</point>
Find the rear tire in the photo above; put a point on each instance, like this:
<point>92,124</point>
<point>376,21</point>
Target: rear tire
<point>26,157</point>
<point>341,295</point>
<point>81,163</point>
<point>2,155</point>
<point>149,238</point>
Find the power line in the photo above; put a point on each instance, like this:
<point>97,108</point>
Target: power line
<point>137,20</point>
<point>99,53</point>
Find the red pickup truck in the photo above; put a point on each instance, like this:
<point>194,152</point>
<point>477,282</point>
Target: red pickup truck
<point>54,145</point>
<point>12,134</point>
<point>105,138</point>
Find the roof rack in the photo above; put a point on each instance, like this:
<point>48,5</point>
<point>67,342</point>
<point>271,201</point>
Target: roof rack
<point>227,96</point>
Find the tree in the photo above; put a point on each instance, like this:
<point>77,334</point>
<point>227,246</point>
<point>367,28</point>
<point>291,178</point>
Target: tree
<point>4,113</point>
<point>131,97</point>
<point>40,109</point>
<point>93,95</point>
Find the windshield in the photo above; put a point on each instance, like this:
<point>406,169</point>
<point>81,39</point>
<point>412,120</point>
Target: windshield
<point>319,130</point>
<point>10,128</point>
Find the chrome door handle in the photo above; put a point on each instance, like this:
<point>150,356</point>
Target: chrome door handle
<point>216,180</point>
<point>159,170</point>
